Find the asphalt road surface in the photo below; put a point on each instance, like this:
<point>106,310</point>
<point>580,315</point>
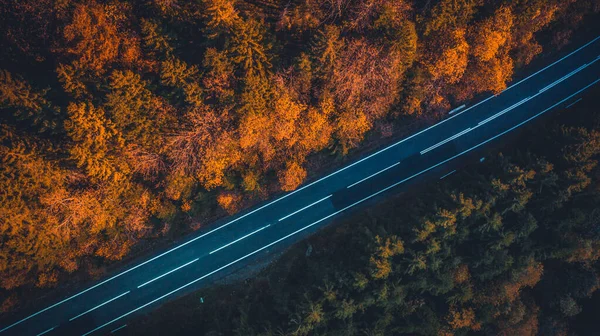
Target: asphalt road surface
<point>105,307</point>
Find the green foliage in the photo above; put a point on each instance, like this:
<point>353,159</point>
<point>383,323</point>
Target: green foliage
<point>130,120</point>
<point>506,246</point>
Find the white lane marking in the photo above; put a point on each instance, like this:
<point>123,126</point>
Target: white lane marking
<point>507,109</point>
<point>237,240</point>
<point>558,81</point>
<point>45,332</point>
<point>119,328</point>
<point>299,189</point>
<point>445,141</point>
<point>169,272</point>
<point>450,173</point>
<point>306,207</point>
<point>337,212</point>
<point>368,177</point>
<point>458,108</point>
<point>98,306</point>
<point>553,64</point>
<point>573,103</point>
<point>537,94</point>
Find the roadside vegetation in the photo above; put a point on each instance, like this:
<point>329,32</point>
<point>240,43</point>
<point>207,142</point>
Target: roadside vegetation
<point>510,246</point>
<point>129,122</point>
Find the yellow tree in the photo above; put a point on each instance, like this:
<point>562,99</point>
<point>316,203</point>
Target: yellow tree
<point>534,15</point>
<point>366,77</point>
<point>138,114</point>
<point>292,176</point>
<point>95,37</point>
<point>218,79</point>
<point>285,114</point>
<point>450,15</point>
<point>205,147</point>
<point>249,48</point>
<point>327,48</point>
<point>34,242</point>
<point>351,126</point>
<point>450,62</point>
<point>178,74</point>
<point>492,34</point>
<point>220,15</point>
<point>96,142</point>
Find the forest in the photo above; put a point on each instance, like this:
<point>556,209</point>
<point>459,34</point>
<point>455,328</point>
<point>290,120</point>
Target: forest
<point>129,123</point>
<point>510,246</point>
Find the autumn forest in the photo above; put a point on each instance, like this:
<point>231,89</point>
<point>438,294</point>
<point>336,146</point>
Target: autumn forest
<point>128,123</point>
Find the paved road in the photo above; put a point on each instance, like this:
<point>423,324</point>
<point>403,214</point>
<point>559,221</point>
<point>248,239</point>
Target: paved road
<point>106,306</point>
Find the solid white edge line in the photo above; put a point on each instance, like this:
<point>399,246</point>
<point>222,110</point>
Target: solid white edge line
<point>306,207</point>
<point>337,212</point>
<point>458,108</point>
<point>169,272</point>
<point>575,102</point>
<point>119,328</point>
<point>98,306</point>
<point>445,141</point>
<point>368,177</point>
<point>45,332</point>
<point>237,240</point>
<point>301,188</point>
<point>553,64</point>
<point>450,173</point>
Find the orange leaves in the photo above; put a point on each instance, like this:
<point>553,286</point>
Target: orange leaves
<point>94,139</point>
<point>230,201</point>
<point>220,14</point>
<point>493,34</point>
<point>249,48</point>
<point>315,131</point>
<point>451,64</point>
<point>351,128</point>
<point>509,291</point>
<point>463,318</point>
<point>205,147</point>
<point>492,75</point>
<point>462,274</point>
<point>254,133</point>
<point>286,114</point>
<point>385,249</point>
<point>366,77</point>
<point>95,38</point>
<point>327,47</point>
<point>527,278</point>
<point>292,176</point>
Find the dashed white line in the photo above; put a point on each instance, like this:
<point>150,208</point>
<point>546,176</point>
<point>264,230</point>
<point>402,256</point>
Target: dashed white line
<point>450,173</point>
<point>445,141</point>
<point>293,192</point>
<point>573,103</point>
<point>45,332</point>
<point>339,211</point>
<point>306,207</point>
<point>458,109</point>
<point>368,177</point>
<point>119,328</point>
<point>237,240</point>
<point>98,306</point>
<point>169,272</point>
